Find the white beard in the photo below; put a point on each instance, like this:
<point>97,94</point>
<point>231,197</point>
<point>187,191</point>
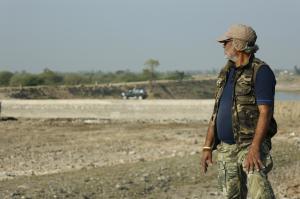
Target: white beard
<point>231,58</point>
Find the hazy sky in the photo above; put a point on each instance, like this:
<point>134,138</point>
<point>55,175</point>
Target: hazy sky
<point>85,35</point>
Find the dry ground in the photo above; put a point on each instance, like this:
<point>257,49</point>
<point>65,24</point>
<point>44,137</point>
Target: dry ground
<point>81,159</point>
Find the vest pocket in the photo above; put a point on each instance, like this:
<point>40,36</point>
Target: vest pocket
<point>243,85</point>
<point>247,113</point>
<point>245,99</point>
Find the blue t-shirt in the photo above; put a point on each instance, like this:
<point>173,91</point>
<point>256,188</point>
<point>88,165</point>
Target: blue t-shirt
<point>264,89</point>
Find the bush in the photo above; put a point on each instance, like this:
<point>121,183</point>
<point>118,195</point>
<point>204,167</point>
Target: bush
<point>25,79</point>
<point>74,79</point>
<point>176,75</point>
<point>5,77</point>
<point>51,78</point>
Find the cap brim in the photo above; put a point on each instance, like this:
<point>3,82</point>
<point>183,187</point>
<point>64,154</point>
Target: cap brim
<point>222,39</point>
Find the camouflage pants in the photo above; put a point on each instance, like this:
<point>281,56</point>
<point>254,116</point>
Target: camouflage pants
<point>234,182</point>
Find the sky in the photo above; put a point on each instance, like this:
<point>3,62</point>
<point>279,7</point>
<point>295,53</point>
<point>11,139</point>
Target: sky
<point>110,35</point>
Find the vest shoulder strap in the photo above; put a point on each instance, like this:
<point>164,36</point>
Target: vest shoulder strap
<point>257,63</point>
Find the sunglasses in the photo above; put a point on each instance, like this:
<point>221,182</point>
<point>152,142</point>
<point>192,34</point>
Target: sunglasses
<point>226,41</point>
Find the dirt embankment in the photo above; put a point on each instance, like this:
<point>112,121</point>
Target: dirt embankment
<point>189,89</point>
<point>202,88</point>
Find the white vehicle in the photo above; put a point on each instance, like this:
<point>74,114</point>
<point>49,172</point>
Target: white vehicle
<point>137,93</point>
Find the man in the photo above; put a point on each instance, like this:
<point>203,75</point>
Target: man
<point>242,122</point>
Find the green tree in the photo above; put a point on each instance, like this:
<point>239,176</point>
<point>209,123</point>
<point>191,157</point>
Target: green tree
<point>5,77</point>
<point>50,77</point>
<point>179,75</point>
<point>151,64</point>
<point>297,70</point>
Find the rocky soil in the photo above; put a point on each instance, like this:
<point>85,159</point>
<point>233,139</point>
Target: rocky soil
<point>76,158</point>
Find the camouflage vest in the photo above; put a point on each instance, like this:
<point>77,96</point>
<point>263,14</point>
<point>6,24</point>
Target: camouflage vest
<point>245,109</point>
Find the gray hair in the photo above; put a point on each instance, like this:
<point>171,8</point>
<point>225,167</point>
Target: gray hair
<point>244,46</point>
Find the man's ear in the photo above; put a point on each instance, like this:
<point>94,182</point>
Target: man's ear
<point>245,57</point>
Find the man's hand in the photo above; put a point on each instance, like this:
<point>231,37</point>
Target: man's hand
<point>253,160</point>
<point>253,157</point>
<point>207,149</point>
<point>206,159</point>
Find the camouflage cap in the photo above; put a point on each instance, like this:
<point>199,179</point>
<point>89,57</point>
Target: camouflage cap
<point>240,32</point>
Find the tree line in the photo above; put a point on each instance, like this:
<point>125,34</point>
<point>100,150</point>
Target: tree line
<point>49,77</point>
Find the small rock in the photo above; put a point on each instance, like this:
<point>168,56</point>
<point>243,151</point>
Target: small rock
<point>142,159</point>
<point>118,186</point>
<point>32,173</point>
<point>121,187</point>
<point>11,174</point>
<point>23,187</point>
<point>213,193</point>
<point>145,177</point>
<point>292,134</point>
<point>92,121</point>
<point>92,165</point>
